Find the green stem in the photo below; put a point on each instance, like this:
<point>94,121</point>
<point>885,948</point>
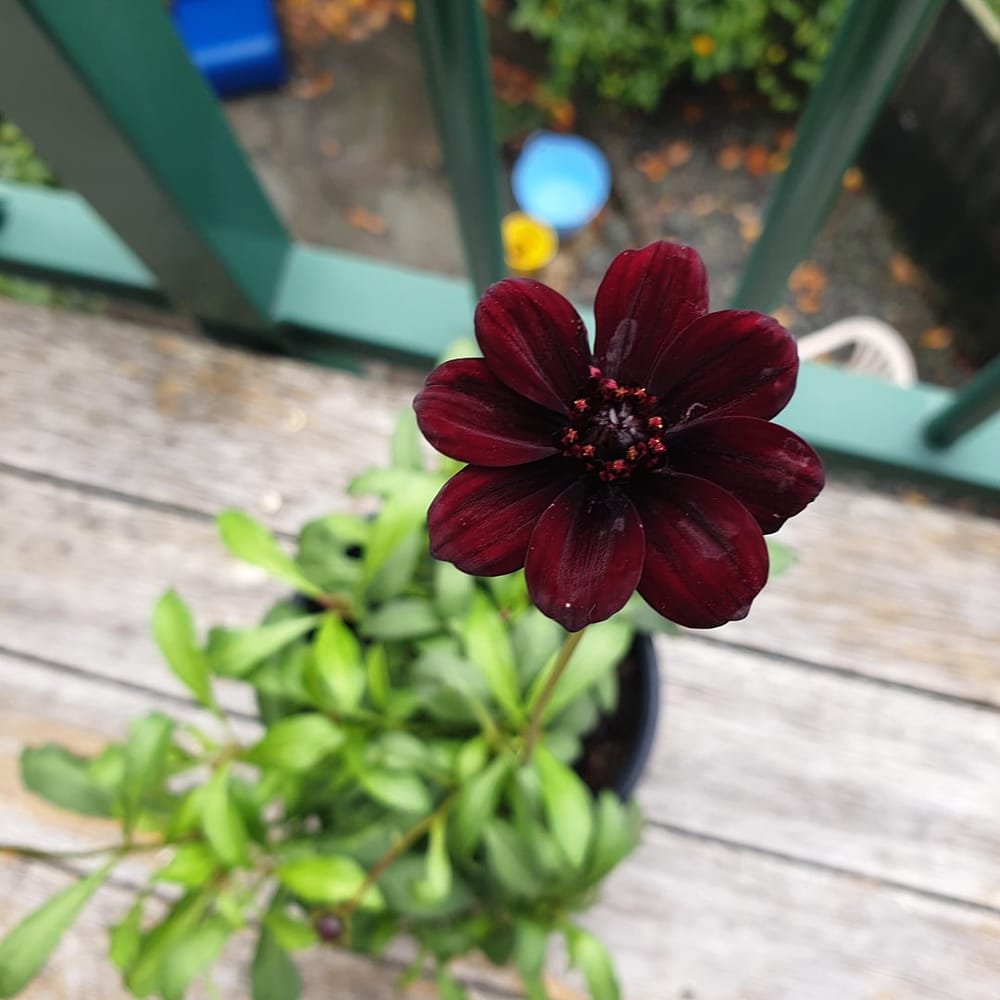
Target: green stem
<point>569,645</point>
<point>404,843</point>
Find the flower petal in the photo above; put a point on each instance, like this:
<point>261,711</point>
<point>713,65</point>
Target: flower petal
<point>732,362</point>
<point>647,297</point>
<point>534,341</point>
<point>770,470</point>
<point>585,555</point>
<point>468,414</point>
<point>705,555</point>
<point>483,518</point>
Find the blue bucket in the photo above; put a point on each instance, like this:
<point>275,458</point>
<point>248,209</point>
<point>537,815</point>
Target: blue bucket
<point>563,180</point>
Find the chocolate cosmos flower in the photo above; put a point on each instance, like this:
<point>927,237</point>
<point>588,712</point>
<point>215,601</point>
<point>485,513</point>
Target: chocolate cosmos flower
<point>649,464</point>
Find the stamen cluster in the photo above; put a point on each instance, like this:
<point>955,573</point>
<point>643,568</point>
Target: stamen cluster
<point>613,429</point>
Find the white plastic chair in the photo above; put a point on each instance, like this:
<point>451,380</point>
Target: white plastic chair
<point>875,348</point>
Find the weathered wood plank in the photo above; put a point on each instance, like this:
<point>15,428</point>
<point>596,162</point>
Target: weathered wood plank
<point>882,588</point>
<point>879,782</point>
<point>683,919</point>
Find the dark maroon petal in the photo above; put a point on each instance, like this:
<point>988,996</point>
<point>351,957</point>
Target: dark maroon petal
<point>647,297</point>
<point>468,414</point>
<point>585,556</point>
<point>534,341</point>
<point>705,555</point>
<point>770,470</point>
<point>483,518</point>
<point>731,362</point>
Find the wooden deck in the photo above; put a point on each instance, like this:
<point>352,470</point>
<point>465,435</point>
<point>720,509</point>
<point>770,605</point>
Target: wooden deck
<point>824,801</point>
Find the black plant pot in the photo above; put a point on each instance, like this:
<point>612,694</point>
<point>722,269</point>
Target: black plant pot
<point>616,752</point>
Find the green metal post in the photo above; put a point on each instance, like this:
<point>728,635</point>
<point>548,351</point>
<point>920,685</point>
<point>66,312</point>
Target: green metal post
<point>975,402</point>
<point>455,55</point>
<point>106,91</point>
<point>868,53</point>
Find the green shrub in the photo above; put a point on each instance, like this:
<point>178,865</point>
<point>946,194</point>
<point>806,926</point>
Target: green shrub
<point>628,51</point>
<point>18,160</point>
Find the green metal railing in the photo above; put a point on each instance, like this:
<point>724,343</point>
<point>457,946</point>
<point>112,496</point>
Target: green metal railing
<point>168,208</point>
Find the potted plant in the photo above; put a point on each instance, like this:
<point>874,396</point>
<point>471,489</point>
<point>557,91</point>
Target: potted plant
<point>430,692</point>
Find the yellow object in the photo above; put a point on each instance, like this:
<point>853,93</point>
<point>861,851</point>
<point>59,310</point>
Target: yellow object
<point>703,45</point>
<point>528,244</point>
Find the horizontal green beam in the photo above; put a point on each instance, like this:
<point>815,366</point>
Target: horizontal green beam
<point>865,419</point>
<point>338,305</point>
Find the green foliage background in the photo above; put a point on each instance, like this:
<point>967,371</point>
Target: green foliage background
<point>628,51</point>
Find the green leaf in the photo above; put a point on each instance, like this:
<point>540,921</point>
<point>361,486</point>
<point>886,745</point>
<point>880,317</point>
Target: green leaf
<point>192,865</point>
<point>510,860</point>
<point>335,675</point>
<point>453,590</point>
<point>568,806</point>
<point>377,675</point>
<point>174,633</point>
<point>297,742</point>
<point>448,988</point>
<point>328,879</point>
<point>145,976</point>
<point>436,883</point>
<point>530,939</point>
<point>124,938</point>
<point>222,821</point>
<point>405,447</point>
<point>405,618</point>
<point>404,509</point>
<point>24,950</point>
<point>535,639</point>
<point>192,953</point>
<point>250,541</point>
<point>616,834</point>
<point>401,791</point>
<point>587,952</point>
<point>273,975</point>
<point>488,647</point>
<point>401,882</point>
<point>476,803</point>
<point>235,652</point>
<point>325,551</point>
<point>782,557</point>
<point>145,763</point>
<point>64,779</point>
<point>644,619</point>
<point>290,933</point>
<point>601,649</point>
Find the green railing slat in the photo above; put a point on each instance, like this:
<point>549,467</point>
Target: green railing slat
<point>869,52</point>
<point>974,403</point>
<point>455,55</point>
<point>106,91</point>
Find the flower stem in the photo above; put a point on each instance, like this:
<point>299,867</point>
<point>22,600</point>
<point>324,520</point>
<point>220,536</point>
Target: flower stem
<point>535,722</point>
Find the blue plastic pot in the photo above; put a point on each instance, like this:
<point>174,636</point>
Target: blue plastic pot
<point>563,180</point>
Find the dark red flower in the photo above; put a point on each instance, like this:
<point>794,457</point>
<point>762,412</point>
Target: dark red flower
<point>646,464</point>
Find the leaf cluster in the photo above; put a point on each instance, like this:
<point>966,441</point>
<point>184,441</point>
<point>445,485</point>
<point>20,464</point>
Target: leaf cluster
<point>629,51</point>
<point>389,788</point>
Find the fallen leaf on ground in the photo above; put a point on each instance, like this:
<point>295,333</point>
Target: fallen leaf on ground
<point>730,157</point>
<point>329,147</point>
<point>777,162</point>
<point>704,204</point>
<point>937,338</point>
<point>784,139</point>
<point>370,222</point>
<point>809,303</point>
<point>312,87</point>
<point>652,166</point>
<point>755,160</point>
<point>750,231</point>
<point>678,152</point>
<point>853,179</point>
<point>902,270</point>
<point>807,277</point>
<point>692,113</point>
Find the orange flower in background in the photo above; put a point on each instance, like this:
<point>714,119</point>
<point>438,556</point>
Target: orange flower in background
<point>702,45</point>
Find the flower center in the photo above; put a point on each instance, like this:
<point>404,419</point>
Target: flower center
<point>613,430</point>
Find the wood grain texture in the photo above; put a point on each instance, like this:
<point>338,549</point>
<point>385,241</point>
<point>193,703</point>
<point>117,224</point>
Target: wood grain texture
<point>881,783</point>
<point>684,919</point>
<point>895,591</point>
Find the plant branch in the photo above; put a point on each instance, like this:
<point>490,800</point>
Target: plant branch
<point>535,722</point>
<point>39,854</point>
<point>404,843</point>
